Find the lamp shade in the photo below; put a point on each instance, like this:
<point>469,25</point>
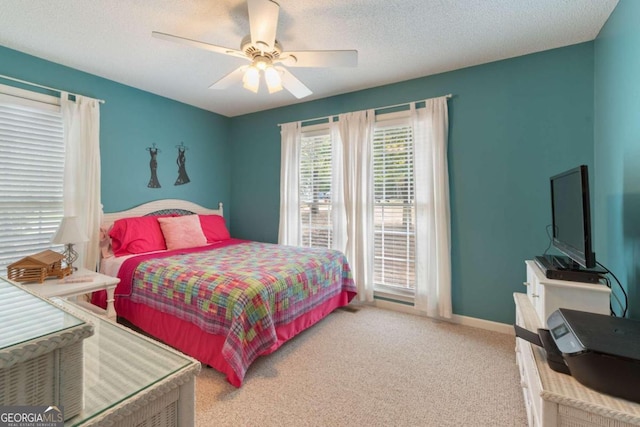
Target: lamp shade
<point>69,232</point>
<point>272,77</point>
<point>251,79</point>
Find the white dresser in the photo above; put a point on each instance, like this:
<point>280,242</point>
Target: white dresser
<point>552,398</point>
<point>548,295</point>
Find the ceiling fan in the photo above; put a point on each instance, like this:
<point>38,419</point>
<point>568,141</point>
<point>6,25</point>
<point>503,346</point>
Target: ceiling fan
<point>267,56</point>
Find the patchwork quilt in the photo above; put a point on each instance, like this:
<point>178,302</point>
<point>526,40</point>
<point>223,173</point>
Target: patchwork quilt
<point>241,291</point>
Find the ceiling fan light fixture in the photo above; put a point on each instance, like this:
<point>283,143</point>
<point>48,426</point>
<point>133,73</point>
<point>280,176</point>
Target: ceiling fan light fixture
<point>273,79</point>
<point>261,48</point>
<point>261,62</point>
<point>251,79</point>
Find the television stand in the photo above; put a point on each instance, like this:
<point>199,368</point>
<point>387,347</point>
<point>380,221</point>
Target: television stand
<point>562,268</point>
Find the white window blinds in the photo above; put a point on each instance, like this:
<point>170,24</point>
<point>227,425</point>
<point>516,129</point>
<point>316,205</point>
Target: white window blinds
<point>394,207</point>
<point>315,190</point>
<point>31,175</point>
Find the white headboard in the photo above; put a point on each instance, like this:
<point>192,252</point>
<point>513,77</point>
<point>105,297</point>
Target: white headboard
<point>158,205</point>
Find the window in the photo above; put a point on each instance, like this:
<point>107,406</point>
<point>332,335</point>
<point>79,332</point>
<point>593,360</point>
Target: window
<point>31,173</point>
<point>394,201</point>
<point>315,189</point>
<point>388,204</point>
<point>394,207</point>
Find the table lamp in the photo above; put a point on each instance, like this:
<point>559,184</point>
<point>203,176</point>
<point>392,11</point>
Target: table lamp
<point>68,234</point>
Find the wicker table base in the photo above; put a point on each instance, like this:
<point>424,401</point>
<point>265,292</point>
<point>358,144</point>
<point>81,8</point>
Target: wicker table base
<point>131,380</point>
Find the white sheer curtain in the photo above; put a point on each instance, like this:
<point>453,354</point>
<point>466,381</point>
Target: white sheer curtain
<point>338,208</point>
<point>356,134</point>
<point>353,204</point>
<point>81,188</point>
<point>289,231</point>
<point>433,223</point>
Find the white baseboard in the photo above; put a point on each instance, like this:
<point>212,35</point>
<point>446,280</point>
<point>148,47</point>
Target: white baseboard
<point>483,324</point>
<point>461,320</point>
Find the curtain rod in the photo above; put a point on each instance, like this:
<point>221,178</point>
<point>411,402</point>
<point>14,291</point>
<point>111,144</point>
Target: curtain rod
<point>101,101</point>
<point>448,96</point>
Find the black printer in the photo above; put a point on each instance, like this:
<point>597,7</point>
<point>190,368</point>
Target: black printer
<point>601,352</point>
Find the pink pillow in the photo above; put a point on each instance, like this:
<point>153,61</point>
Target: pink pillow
<point>136,235</point>
<point>182,232</point>
<point>214,228</point>
<point>105,241</point>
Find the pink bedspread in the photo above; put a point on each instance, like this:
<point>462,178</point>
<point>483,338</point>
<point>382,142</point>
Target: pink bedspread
<point>244,293</point>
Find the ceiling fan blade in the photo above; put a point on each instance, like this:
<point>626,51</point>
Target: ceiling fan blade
<point>230,79</point>
<point>263,22</point>
<point>200,45</point>
<point>320,58</point>
<point>292,84</point>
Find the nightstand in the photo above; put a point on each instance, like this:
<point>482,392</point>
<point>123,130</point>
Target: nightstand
<point>94,282</point>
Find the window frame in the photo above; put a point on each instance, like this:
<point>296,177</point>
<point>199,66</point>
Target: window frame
<point>391,120</point>
<point>315,131</point>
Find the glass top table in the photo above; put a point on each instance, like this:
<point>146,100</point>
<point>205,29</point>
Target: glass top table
<point>121,366</point>
<point>25,317</point>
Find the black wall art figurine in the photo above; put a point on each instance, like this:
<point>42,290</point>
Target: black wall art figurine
<point>153,165</point>
<point>183,178</point>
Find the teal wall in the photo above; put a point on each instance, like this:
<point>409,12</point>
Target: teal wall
<point>513,124</point>
<point>617,147</point>
<point>132,120</point>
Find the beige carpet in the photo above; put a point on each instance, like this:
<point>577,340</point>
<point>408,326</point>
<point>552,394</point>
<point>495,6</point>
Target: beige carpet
<point>373,367</point>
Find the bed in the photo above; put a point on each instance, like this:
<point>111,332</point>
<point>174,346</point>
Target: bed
<point>225,302</point>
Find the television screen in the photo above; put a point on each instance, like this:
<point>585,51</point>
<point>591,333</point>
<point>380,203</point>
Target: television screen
<point>571,218</point>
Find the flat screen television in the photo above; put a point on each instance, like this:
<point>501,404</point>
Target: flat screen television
<point>571,216</point>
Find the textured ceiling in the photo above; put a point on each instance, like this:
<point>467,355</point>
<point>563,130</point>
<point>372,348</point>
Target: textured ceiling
<point>396,40</point>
